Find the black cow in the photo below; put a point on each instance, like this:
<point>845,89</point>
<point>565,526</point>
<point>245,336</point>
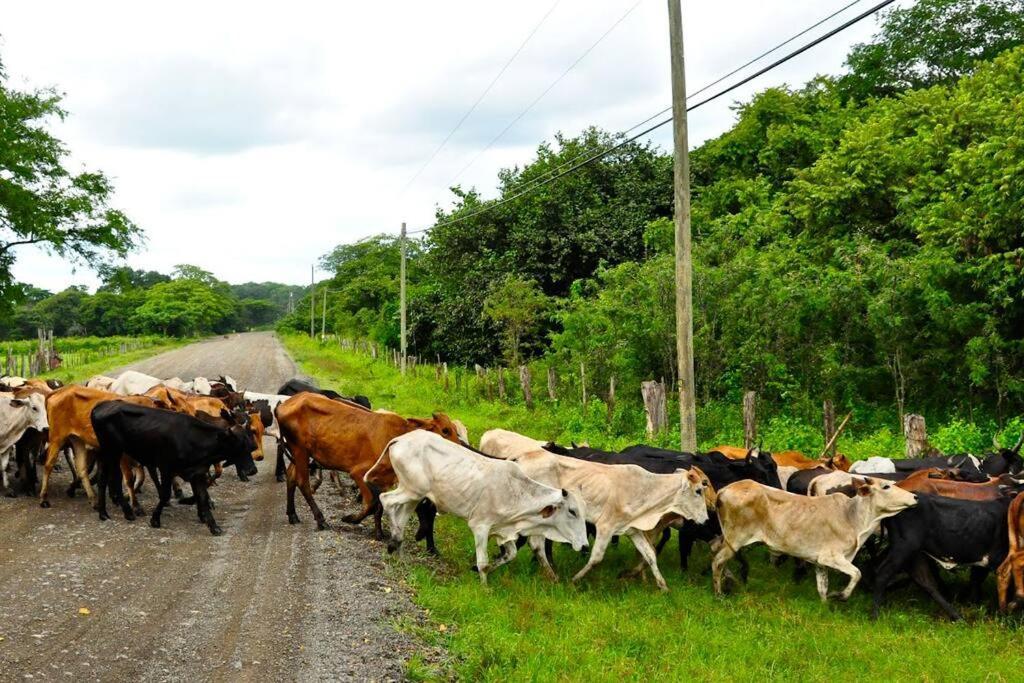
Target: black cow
<point>952,532</point>
<point>800,481</point>
<point>297,386</point>
<point>173,444</point>
<point>1004,461</point>
<point>962,462</point>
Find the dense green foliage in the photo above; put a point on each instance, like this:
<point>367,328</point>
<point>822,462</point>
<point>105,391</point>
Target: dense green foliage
<point>43,202</point>
<point>858,238</point>
<point>130,302</point>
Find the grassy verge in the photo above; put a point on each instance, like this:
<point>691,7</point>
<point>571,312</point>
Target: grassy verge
<point>83,372</point>
<point>525,628</point>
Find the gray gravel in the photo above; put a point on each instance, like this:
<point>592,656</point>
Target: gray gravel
<point>265,601</point>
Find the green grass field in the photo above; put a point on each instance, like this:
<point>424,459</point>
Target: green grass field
<point>523,627</point>
<point>102,365</point>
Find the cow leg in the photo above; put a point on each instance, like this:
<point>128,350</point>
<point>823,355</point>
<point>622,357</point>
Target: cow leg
<point>199,487</point>
<point>845,566</point>
<point>52,455</point>
<point>101,502</point>
<point>666,534</point>
<point>131,507</point>
<point>293,517</point>
<point>369,500</point>
<point>821,576</point>
<point>643,546</point>
<point>1003,576</point>
<point>398,505</point>
<point>718,562</point>
<point>480,536</point>
<point>279,464</point>
<point>596,553</point>
<point>426,513</point>
<point>686,539</point>
<point>540,553</point>
<point>921,573</point>
<point>163,485</point>
<point>508,553</point>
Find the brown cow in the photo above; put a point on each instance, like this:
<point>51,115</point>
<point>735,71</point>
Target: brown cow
<point>68,412</point>
<point>338,436</point>
<point>1013,566</point>
<point>794,459</point>
<point>945,483</point>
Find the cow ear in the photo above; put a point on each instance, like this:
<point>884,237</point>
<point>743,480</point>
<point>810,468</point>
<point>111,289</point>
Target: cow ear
<point>547,511</point>
<point>565,494</point>
<point>863,488</point>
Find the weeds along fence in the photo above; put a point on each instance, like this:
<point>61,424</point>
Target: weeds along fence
<point>28,358</point>
<point>542,382</point>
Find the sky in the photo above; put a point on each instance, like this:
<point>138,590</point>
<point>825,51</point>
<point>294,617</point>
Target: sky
<point>249,138</point>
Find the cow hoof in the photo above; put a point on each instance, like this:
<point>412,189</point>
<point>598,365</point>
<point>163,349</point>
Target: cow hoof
<point>293,518</point>
<point>104,516</point>
<point>216,531</point>
<point>155,523</point>
<point>44,504</point>
<point>838,596</point>
<point>70,493</point>
<point>280,477</point>
<point>321,525</point>
<point>11,493</point>
<point>129,515</point>
<point>433,551</point>
<point>351,519</point>
<point>393,546</point>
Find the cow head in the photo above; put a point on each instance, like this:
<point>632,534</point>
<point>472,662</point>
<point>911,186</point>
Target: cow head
<point>237,443</point>
<point>1005,461</point>
<point>697,478</point>
<point>440,424</point>
<point>838,462</point>
<point>691,498</point>
<point>561,520</point>
<point>757,466</point>
<point>32,410</point>
<point>257,429</point>
<point>886,498</point>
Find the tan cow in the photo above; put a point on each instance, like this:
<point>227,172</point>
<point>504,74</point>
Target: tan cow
<point>619,500</point>
<point>826,531</point>
<point>794,459</point>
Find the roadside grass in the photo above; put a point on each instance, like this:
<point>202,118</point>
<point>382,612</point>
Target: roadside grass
<point>523,627</point>
<point>83,372</point>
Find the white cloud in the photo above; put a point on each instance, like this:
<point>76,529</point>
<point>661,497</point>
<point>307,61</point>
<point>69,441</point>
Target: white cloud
<point>249,138</point>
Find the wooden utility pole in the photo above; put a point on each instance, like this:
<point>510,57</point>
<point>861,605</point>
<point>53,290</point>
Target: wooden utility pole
<point>401,295</point>
<point>312,301</point>
<point>323,317</point>
<point>684,267</point>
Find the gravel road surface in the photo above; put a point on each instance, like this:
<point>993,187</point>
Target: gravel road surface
<point>85,600</point>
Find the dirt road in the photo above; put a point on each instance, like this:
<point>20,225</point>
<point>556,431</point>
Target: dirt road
<point>265,601</point>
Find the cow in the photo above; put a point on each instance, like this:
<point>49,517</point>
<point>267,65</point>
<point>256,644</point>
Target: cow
<point>173,444</point>
<point>826,531</point>
<point>1012,568</point>
<point>501,443</point>
<point>16,416</point>
<point>794,459</point>
<point>100,382</point>
<point>945,483</point>
<point>341,436</point>
<point>298,386</point>
<point>800,481</point>
<point>720,470</point>
<point>495,497</point>
<point>1005,460</point>
<point>133,382</point>
<point>873,465</point>
<point>953,533</point>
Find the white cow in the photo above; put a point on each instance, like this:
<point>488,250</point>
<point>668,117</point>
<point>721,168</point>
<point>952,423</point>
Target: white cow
<point>495,497</point>
<point>132,382</point>
<point>826,531</point>
<point>873,465</point>
<point>17,415</point>
<point>620,500</point>
<point>274,400</point>
<point>100,382</point>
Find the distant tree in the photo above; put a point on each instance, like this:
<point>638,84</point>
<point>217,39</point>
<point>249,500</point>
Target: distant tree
<point>184,306</point>
<point>62,312</point>
<point>123,278</point>
<point>44,203</point>
<point>518,307</point>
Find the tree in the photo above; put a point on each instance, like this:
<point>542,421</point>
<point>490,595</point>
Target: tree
<point>185,306</point>
<point>932,42</point>
<point>517,306</point>
<point>44,203</point>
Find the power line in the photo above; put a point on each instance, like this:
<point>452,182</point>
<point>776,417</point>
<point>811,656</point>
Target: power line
<point>704,88</point>
<point>551,87</point>
<point>480,99</point>
<point>598,155</point>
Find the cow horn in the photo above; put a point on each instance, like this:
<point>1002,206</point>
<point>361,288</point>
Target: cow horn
<point>1020,442</point>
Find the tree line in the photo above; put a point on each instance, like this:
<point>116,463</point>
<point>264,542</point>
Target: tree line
<point>189,301</point>
<point>856,238</point>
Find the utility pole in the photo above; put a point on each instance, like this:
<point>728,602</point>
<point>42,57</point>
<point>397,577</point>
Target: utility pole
<point>312,301</point>
<point>684,266</point>
<point>323,317</point>
<point>401,295</point>
<point>291,302</point>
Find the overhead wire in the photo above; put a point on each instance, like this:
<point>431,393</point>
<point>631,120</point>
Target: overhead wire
<point>598,155</point>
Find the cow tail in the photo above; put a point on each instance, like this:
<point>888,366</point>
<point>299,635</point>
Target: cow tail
<point>383,461</point>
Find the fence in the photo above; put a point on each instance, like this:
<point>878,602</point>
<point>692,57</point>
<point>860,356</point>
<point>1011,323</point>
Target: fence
<point>47,356</point>
<point>501,381</point>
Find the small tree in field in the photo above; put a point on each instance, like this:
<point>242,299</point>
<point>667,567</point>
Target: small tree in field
<point>518,306</point>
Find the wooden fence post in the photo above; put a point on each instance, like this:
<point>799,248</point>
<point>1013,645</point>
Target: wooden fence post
<point>552,384</point>
<point>524,382</point>
<point>916,434</point>
<point>501,382</point>
<point>611,398</point>
<point>655,406</point>
<point>583,384</point>
<point>749,419</point>
<point>444,370</point>
<point>488,389</point>
<point>829,409</point>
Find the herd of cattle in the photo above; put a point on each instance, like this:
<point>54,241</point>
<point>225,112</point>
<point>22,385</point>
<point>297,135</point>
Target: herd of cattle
<point>912,516</point>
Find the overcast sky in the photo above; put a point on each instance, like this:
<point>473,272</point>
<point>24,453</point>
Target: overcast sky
<point>250,138</point>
